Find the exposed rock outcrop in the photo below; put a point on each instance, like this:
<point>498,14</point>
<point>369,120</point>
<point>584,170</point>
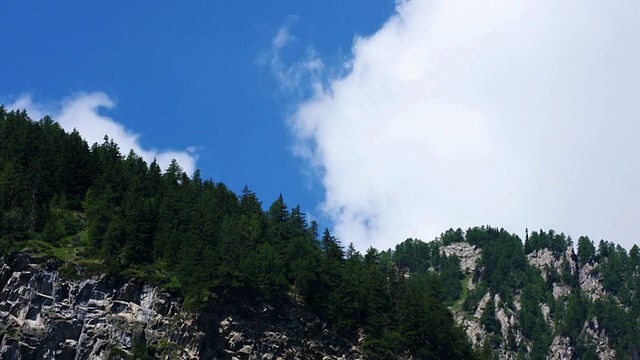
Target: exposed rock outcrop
<point>589,282</point>
<point>471,323</point>
<point>553,267</point>
<point>597,336</point>
<point>560,349</point>
<point>468,255</point>
<point>546,260</point>
<point>45,316</point>
<point>560,290</point>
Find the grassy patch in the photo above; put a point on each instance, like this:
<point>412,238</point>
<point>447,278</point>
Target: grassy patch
<point>456,306</point>
<point>69,271</point>
<point>91,266</point>
<point>168,349</point>
<point>74,251</point>
<point>70,248</point>
<point>44,249</point>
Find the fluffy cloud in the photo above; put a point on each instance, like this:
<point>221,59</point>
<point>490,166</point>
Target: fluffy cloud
<point>81,112</point>
<point>461,113</point>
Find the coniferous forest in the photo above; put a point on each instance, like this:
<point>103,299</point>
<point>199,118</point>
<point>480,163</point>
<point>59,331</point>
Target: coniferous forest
<point>104,211</point>
<point>101,211</point>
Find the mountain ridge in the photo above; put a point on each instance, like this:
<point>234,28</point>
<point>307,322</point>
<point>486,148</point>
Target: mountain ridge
<point>78,214</point>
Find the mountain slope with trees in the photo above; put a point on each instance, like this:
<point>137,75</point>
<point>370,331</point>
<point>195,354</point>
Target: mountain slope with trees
<point>102,212</point>
<point>482,293</point>
<point>540,299</point>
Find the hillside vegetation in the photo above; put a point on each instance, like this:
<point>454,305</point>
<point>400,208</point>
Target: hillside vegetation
<point>540,299</point>
<point>100,211</point>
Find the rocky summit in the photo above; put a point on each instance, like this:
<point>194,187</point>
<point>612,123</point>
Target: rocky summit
<point>551,266</point>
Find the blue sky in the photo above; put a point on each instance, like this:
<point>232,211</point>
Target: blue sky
<point>382,119</point>
<point>185,74</point>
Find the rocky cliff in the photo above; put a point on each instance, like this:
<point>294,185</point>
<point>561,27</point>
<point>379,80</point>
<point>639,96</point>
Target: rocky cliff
<point>46,316</point>
<point>509,336</point>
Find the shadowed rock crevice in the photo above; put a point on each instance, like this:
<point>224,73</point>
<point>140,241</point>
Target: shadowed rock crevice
<point>46,316</point>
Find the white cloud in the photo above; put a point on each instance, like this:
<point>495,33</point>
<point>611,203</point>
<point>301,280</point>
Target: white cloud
<point>81,112</point>
<point>459,113</point>
<point>290,76</point>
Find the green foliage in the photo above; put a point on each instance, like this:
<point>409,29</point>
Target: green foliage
<point>571,279</point>
<point>97,210</point>
<point>485,352</point>
<point>533,325</point>
<point>557,243</point>
<point>452,236</point>
<point>139,348</point>
<point>451,278</point>
<point>575,315</point>
<point>473,298</point>
<point>614,267</point>
<point>621,329</point>
<point>488,318</point>
<point>269,271</point>
<point>69,271</point>
<point>503,260</point>
<point>415,255</point>
<point>586,249</point>
<point>116,353</point>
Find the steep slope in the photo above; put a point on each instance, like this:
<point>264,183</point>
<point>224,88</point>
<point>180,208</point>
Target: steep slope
<point>556,307</point>
<point>102,218</point>
<point>231,279</point>
<point>46,316</point>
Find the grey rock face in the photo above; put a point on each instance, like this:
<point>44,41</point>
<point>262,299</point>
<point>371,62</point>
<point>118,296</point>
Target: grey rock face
<point>560,349</point>
<point>468,255</point>
<point>45,316</point>
<point>544,260</point>
<point>597,336</point>
<point>590,282</point>
<point>549,264</point>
